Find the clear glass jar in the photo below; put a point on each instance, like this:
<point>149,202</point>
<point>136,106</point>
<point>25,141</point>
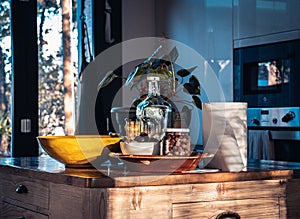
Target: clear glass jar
<point>132,129</point>
<point>177,142</point>
<point>154,112</point>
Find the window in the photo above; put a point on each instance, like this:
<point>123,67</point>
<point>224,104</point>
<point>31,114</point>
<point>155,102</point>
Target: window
<point>57,49</point>
<point>42,79</point>
<point>5,78</point>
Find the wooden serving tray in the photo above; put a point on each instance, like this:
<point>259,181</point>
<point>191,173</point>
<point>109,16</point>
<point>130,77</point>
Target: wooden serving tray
<point>160,163</point>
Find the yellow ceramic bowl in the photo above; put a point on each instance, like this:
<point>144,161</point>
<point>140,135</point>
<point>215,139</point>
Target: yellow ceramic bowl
<point>77,150</point>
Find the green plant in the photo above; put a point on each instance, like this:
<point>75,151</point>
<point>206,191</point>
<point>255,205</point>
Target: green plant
<point>164,67</point>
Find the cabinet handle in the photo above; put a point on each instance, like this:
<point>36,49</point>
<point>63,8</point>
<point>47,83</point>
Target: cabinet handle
<point>21,189</point>
<point>228,215</point>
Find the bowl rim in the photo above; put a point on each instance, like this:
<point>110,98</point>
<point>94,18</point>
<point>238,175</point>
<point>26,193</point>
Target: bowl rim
<point>78,136</point>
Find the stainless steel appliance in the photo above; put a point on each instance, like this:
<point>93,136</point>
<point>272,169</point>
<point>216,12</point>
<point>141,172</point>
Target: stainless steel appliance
<point>283,124</point>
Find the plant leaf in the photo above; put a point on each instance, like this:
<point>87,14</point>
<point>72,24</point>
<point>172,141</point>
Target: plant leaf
<point>188,88</point>
<point>139,70</point>
<point>173,54</point>
<point>193,87</point>
<point>107,79</point>
<point>159,62</point>
<point>164,72</point>
<point>197,102</point>
<point>183,72</point>
<point>153,54</point>
<point>193,81</point>
<point>192,69</point>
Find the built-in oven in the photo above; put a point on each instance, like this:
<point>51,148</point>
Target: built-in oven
<point>268,75</point>
<point>282,125</point>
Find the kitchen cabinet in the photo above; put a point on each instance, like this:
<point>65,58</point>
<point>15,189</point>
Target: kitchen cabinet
<point>268,189</point>
<point>261,22</point>
<point>12,211</point>
<point>23,197</point>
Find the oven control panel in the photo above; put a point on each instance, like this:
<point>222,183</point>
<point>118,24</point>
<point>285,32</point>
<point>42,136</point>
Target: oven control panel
<point>274,117</point>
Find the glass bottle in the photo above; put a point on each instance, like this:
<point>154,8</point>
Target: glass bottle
<point>154,112</point>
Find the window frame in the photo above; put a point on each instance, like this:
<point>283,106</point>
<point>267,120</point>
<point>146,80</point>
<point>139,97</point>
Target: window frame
<point>24,105</point>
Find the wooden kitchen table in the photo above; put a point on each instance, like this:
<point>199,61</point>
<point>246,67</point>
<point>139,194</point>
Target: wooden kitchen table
<point>40,187</point>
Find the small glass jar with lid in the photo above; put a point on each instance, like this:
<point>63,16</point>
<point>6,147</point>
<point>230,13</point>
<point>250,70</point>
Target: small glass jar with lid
<point>176,142</point>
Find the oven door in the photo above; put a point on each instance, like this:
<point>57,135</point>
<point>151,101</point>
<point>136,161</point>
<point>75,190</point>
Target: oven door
<point>286,145</point>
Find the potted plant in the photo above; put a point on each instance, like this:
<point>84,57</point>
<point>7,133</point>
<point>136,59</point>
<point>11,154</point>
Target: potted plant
<point>175,80</point>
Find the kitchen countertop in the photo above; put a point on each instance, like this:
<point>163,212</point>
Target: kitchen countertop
<point>46,168</point>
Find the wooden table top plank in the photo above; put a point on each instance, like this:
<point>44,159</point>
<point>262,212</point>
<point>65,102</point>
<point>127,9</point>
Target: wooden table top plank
<point>46,168</point>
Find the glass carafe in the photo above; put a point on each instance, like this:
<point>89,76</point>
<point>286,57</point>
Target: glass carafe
<point>154,112</point>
